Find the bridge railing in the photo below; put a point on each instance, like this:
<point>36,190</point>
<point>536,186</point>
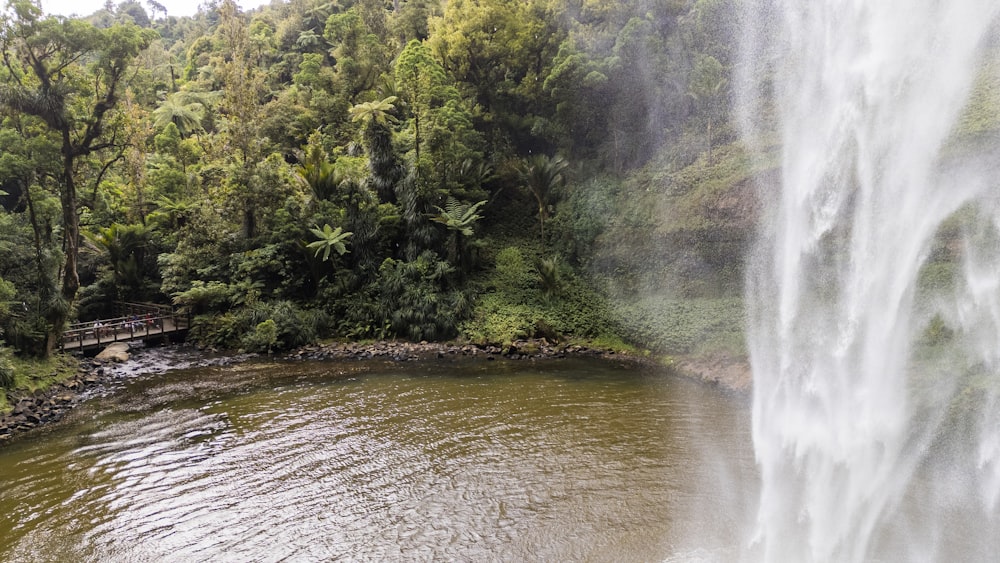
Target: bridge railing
<point>153,320</point>
<point>127,309</point>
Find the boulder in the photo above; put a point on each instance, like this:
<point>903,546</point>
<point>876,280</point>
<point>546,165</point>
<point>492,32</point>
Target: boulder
<point>117,352</point>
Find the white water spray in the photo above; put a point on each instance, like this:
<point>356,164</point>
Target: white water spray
<point>875,422</point>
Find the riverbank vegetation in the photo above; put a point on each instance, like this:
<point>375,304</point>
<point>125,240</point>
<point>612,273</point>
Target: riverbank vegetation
<point>369,169</point>
<point>482,171</point>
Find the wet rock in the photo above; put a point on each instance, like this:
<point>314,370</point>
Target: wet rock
<point>117,352</point>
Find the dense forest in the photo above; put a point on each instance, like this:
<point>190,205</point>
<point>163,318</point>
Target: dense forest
<point>417,169</point>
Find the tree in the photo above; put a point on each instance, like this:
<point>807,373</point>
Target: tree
<point>329,239</point>
<point>459,218</point>
<point>360,54</point>
<point>419,78</point>
<point>68,74</point>
<point>707,83</point>
<point>157,8</point>
<point>242,97</point>
<point>178,108</point>
<point>499,52</point>
<point>384,166</point>
<point>543,176</point>
<point>321,176</point>
<point>126,248</point>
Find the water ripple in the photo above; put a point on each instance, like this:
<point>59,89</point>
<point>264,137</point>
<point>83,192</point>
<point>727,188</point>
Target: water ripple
<point>387,467</point>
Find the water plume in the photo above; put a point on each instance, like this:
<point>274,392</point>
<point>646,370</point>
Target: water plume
<point>874,289</point>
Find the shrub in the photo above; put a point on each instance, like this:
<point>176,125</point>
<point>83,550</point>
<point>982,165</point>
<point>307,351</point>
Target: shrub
<point>6,373</point>
<point>263,338</point>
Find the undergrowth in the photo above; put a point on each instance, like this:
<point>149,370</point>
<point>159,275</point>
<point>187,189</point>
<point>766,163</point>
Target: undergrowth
<point>33,374</point>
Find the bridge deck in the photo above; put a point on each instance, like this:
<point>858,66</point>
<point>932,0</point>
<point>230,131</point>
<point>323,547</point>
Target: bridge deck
<point>85,336</point>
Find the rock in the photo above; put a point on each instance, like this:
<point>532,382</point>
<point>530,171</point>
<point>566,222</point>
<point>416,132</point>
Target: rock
<point>117,352</point>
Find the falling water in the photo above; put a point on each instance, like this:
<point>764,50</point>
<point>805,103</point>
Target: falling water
<point>874,290</point>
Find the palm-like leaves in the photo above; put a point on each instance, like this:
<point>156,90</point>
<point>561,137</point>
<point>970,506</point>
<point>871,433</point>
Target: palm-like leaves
<point>308,40</point>
<point>476,174</point>
<point>543,176</point>
<point>180,110</point>
<point>377,112</point>
<point>458,216</point>
<point>330,239</point>
<point>171,213</point>
<point>125,246</point>
<point>322,177</point>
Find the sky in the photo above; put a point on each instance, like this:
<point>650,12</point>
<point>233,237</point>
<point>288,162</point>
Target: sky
<point>174,7</point>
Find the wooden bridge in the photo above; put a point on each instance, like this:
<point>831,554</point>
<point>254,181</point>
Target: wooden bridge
<point>135,321</point>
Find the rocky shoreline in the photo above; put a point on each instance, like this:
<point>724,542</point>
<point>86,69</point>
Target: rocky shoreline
<point>33,410</point>
<point>534,349</point>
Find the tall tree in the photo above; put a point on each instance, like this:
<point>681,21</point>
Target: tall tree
<point>419,78</point>
<point>241,105</point>
<point>69,74</point>
<point>707,87</point>
<point>543,176</point>
<point>499,53</point>
<point>383,164</point>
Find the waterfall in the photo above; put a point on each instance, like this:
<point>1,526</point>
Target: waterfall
<point>874,289</point>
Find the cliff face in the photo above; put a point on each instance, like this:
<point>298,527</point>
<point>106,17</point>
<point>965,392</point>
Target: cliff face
<point>686,233</point>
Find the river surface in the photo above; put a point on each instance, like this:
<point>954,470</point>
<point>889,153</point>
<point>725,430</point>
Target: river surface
<point>460,460</point>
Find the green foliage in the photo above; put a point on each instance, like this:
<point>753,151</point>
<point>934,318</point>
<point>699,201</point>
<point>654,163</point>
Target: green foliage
<point>458,216</point>
<point>685,326</point>
<point>980,119</point>
<point>263,338</point>
<point>329,239</point>
<point>543,176</point>
<point>517,301</point>
<point>512,270</point>
<point>202,296</point>
<point>412,128</point>
<point>128,251</point>
<point>376,112</point>
<point>33,374</point>
<point>415,301</point>
<point>181,110</point>
<point>6,372</point>
<point>260,326</point>
<point>936,333</point>
<point>7,294</point>
<point>550,276</point>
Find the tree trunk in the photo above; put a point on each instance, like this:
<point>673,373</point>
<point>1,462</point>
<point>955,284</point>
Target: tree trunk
<point>541,222</point>
<point>57,313</point>
<point>709,141</point>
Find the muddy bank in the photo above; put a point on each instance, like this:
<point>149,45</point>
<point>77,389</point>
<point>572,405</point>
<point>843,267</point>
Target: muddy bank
<point>731,373</point>
<point>726,371</point>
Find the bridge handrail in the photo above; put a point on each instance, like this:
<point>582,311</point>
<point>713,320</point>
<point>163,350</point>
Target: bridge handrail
<point>126,308</point>
<point>117,321</point>
<point>128,327</point>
